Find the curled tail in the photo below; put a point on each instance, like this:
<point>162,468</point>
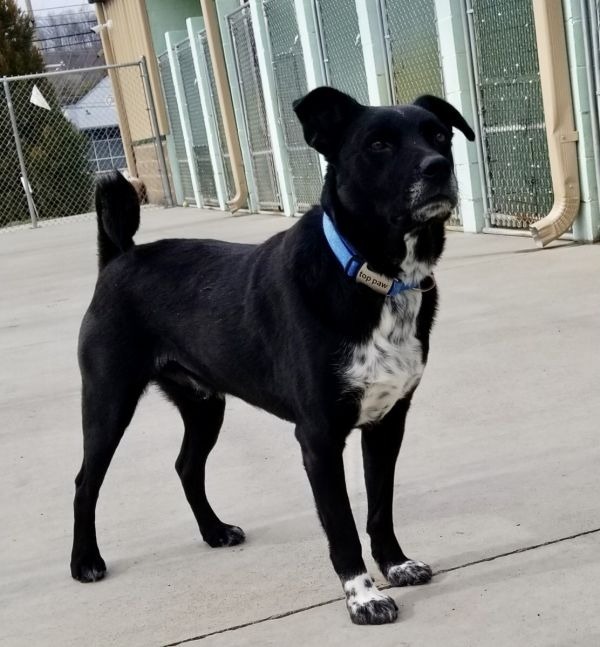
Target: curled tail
<point>118,212</point>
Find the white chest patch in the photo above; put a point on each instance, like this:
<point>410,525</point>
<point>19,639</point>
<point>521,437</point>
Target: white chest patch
<point>386,367</point>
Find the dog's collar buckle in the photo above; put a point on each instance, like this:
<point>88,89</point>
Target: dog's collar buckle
<point>378,282</point>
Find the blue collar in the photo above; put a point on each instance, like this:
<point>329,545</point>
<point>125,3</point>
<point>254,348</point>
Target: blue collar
<point>356,267</point>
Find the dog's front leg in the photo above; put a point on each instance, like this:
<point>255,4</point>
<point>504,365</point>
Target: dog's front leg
<point>381,444</point>
<point>322,456</point>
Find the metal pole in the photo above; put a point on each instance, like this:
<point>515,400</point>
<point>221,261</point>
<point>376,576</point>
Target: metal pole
<point>231,55</point>
<point>25,179</point>
<point>375,54</point>
<point>591,68</point>
<point>162,165</point>
<point>473,72</point>
<point>267,81</point>
<point>216,51</point>
<point>195,30</point>
<point>174,40</point>
<point>29,12</point>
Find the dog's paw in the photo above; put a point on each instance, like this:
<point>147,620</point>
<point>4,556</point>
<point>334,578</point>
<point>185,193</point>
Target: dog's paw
<point>224,535</point>
<point>367,605</point>
<point>408,573</point>
<point>88,568</point>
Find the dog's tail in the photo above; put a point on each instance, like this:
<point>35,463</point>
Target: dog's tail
<point>118,211</point>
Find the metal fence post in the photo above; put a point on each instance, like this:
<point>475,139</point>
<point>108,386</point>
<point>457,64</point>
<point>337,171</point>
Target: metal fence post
<point>265,64</point>
<point>458,89</point>
<point>24,178</point>
<point>310,40</point>
<point>311,46</point>
<point>476,104</point>
<point>194,26</point>
<point>581,26</point>
<point>183,112</point>
<point>162,165</point>
<point>224,9</point>
<point>172,121</point>
<point>374,51</point>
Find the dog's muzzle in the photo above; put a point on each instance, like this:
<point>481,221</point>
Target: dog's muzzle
<point>428,200</point>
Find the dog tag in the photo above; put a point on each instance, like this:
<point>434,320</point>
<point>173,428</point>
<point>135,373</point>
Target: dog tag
<point>375,281</point>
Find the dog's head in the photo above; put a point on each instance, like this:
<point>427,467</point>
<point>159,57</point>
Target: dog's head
<point>392,166</point>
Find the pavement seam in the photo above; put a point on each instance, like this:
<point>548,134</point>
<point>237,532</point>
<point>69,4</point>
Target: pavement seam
<point>442,571</point>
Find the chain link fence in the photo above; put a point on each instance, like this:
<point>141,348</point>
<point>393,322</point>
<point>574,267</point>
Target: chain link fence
<point>219,116</point>
<point>342,48</point>
<point>412,42</point>
<point>176,129</point>
<point>59,130</point>
<point>253,105</point>
<point>208,187</point>
<point>510,102</point>
<point>290,79</point>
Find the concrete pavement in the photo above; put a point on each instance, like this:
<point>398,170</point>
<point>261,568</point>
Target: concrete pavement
<point>501,456</point>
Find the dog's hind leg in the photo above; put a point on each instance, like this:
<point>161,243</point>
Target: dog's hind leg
<point>108,404</point>
<point>202,418</point>
<point>381,445</point>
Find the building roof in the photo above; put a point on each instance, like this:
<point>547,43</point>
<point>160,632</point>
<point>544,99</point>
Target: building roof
<point>96,109</point>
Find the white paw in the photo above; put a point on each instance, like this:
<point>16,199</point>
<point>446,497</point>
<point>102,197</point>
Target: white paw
<point>408,573</point>
<point>366,604</point>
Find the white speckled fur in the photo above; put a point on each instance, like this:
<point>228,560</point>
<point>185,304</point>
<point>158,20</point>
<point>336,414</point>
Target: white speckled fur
<point>409,572</point>
<point>389,365</point>
<point>358,593</point>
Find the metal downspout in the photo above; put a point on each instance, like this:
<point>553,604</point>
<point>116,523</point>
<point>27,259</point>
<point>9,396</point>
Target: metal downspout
<point>215,46</point>
<point>558,117</point>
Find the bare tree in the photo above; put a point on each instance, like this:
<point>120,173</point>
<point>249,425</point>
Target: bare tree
<point>66,41</point>
<point>66,29</point>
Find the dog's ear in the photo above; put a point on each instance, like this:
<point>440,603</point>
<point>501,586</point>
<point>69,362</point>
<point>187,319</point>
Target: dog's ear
<point>446,113</point>
<point>325,113</point>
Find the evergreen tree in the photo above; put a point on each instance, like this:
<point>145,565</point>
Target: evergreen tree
<point>55,152</point>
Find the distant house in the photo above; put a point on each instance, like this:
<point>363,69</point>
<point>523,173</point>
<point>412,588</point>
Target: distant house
<point>95,115</point>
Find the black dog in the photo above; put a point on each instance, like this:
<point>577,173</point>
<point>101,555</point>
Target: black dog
<point>326,325</point>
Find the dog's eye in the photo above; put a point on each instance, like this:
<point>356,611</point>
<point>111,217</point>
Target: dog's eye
<point>440,138</point>
<point>378,146</point>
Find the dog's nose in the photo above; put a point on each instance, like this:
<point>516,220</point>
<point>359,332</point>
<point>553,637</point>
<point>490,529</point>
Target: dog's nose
<point>435,167</point>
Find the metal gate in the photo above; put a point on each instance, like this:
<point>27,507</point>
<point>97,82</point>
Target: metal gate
<point>206,177</point>
<point>412,43</point>
<point>176,129</point>
<point>510,105</point>
<point>341,47</point>
<point>290,81</point>
<point>413,53</point>
<point>218,114</point>
<point>60,130</point>
<point>253,106</point>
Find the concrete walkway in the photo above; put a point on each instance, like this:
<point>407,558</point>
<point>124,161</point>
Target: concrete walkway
<point>498,482</point>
